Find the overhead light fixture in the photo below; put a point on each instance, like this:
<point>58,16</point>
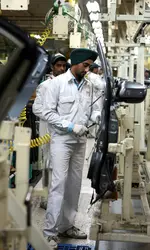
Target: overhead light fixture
<point>94,16</point>
<point>136,51</point>
<point>99,37</point>
<point>102,39</point>
<point>104,50</point>
<point>93,6</point>
<point>98,31</point>
<point>96,25</point>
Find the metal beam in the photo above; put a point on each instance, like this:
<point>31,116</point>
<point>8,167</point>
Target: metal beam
<point>24,18</point>
<point>18,213</point>
<point>118,55</point>
<point>136,18</point>
<point>126,45</point>
<point>28,22</point>
<point>125,237</point>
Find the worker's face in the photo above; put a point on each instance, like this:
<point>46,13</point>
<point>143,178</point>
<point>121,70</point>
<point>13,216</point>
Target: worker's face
<point>146,75</point>
<point>95,71</point>
<point>82,68</point>
<point>59,68</point>
<point>100,71</point>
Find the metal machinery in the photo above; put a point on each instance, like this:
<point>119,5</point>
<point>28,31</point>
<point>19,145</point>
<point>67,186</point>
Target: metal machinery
<point>26,66</point>
<point>133,147</point>
<point>133,154</point>
<point>70,16</point>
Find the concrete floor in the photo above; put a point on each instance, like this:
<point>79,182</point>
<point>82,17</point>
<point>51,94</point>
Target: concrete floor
<point>83,218</point>
<point>38,214</point>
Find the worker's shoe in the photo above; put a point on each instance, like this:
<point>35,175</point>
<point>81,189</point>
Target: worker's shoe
<point>74,233</point>
<point>53,241</point>
<point>43,205</point>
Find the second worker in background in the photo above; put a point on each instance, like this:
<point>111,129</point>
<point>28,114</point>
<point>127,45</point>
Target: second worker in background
<point>58,66</point>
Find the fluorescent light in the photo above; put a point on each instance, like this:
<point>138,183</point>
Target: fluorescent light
<point>104,49</point>
<point>98,31</point>
<point>94,16</point>
<point>96,25</point>
<point>102,39</point>
<point>136,50</point>
<point>98,35</point>
<point>93,6</point>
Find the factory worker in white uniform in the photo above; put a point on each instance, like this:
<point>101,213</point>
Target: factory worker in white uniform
<point>58,65</point>
<point>67,110</point>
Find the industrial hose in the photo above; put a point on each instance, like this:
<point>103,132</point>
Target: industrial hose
<point>40,141</point>
<point>37,142</point>
<point>22,117</point>
<point>45,35</point>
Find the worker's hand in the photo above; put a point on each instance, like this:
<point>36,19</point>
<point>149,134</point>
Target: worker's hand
<point>79,129</point>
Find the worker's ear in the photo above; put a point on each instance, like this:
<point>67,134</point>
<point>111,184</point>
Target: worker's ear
<point>52,67</point>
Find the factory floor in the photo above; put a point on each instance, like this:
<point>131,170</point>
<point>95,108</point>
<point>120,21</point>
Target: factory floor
<point>83,218</point>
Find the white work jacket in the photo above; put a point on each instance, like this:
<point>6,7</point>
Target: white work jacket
<point>64,103</point>
<point>37,106</point>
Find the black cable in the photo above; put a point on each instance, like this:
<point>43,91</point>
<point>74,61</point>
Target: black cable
<point>96,100</point>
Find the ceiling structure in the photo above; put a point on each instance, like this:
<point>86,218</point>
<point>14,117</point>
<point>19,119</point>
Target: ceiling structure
<point>33,20</point>
<point>103,9</point>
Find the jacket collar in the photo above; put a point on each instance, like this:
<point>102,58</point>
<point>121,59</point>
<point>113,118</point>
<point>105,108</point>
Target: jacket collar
<point>71,78</point>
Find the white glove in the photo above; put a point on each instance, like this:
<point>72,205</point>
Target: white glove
<point>79,129</point>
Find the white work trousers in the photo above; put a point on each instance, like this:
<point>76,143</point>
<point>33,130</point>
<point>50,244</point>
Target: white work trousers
<point>67,161</point>
<point>43,130</point>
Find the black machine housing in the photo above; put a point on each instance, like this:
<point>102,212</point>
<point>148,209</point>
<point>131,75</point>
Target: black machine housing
<point>22,67</point>
<point>102,162</point>
<point>129,92</point>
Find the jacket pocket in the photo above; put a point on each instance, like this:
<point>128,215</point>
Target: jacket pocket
<point>66,104</point>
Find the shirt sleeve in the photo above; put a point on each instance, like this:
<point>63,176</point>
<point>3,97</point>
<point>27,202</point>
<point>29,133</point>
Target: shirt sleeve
<point>50,113</point>
<point>37,106</point>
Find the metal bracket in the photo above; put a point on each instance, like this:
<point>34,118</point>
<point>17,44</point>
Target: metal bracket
<point>58,29</point>
<point>121,147</point>
<point>75,40</point>
<point>14,4</point>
